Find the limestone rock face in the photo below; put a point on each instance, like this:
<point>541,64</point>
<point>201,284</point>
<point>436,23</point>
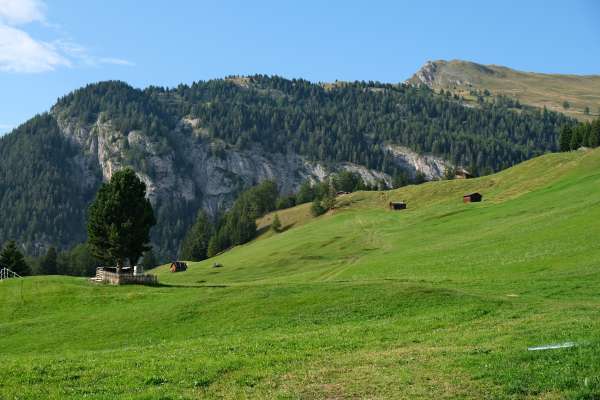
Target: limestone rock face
<point>431,167</point>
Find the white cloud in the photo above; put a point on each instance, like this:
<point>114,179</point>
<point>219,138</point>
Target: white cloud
<point>17,12</point>
<point>21,53</point>
<point>116,61</point>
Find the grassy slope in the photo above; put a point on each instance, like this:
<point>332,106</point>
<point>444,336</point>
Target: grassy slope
<point>440,300</point>
<point>549,90</point>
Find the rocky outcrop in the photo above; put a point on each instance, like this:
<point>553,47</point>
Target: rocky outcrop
<point>426,75</point>
<point>431,167</point>
<point>212,172</point>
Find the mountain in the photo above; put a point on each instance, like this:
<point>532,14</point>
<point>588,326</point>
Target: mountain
<point>198,146</point>
<point>539,90</point>
<point>441,300</point>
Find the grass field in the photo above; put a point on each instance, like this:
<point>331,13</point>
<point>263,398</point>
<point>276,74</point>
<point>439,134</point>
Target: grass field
<point>441,300</point>
<point>535,89</point>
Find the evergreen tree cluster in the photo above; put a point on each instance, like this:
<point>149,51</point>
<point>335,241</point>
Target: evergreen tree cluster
<point>236,226</point>
<point>42,198</point>
<point>12,258</point>
<point>585,134</point>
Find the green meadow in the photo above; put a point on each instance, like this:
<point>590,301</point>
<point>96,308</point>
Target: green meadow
<point>441,300</point>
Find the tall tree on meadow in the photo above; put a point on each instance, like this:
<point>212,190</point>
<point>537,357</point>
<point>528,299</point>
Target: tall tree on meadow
<point>13,259</point>
<point>120,219</point>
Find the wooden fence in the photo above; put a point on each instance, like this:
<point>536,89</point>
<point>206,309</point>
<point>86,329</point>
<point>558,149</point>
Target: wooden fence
<point>6,273</point>
<point>124,278</point>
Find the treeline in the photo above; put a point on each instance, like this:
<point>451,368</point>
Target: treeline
<point>585,134</point>
<point>78,261</point>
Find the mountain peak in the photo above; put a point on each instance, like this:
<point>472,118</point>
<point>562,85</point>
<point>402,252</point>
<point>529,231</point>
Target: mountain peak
<point>575,95</point>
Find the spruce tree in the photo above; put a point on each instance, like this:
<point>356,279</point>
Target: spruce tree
<point>565,138</point>
<point>49,263</point>
<point>595,134</point>
<point>317,208</point>
<point>195,245</point>
<point>306,193</point>
<point>13,259</point>
<point>576,138</point>
<point>120,219</point>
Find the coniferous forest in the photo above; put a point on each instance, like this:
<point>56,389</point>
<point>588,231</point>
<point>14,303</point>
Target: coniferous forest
<point>44,197</point>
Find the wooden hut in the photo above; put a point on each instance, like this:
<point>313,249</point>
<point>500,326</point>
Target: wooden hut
<point>462,173</point>
<point>178,266</point>
<point>472,198</point>
<point>397,205</point>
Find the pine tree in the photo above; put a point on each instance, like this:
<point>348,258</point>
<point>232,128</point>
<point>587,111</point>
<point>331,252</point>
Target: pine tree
<point>306,193</point>
<point>195,244</point>
<point>276,224</point>
<point>120,219</point>
<point>576,138</point>
<point>329,199</point>
<point>317,208</point>
<point>595,133</point>
<point>217,243</point>
<point>13,259</point>
<point>49,263</point>
<point>565,138</point>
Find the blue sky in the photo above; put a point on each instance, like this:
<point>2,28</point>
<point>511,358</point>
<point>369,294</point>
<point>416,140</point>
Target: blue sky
<point>50,47</point>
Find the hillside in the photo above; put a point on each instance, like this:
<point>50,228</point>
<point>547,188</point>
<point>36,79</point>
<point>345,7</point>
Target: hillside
<point>198,146</point>
<point>530,88</point>
<point>439,301</point>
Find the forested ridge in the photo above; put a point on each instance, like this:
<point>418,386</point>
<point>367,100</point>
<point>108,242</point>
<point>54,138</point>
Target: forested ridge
<point>43,203</point>
<point>340,122</point>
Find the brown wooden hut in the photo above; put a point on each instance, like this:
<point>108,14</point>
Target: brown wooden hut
<point>397,205</point>
<point>472,198</point>
<point>178,266</point>
<point>462,173</point>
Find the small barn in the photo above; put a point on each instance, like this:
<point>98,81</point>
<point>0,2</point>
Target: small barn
<point>178,266</point>
<point>462,173</point>
<point>397,205</point>
<point>472,198</point>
